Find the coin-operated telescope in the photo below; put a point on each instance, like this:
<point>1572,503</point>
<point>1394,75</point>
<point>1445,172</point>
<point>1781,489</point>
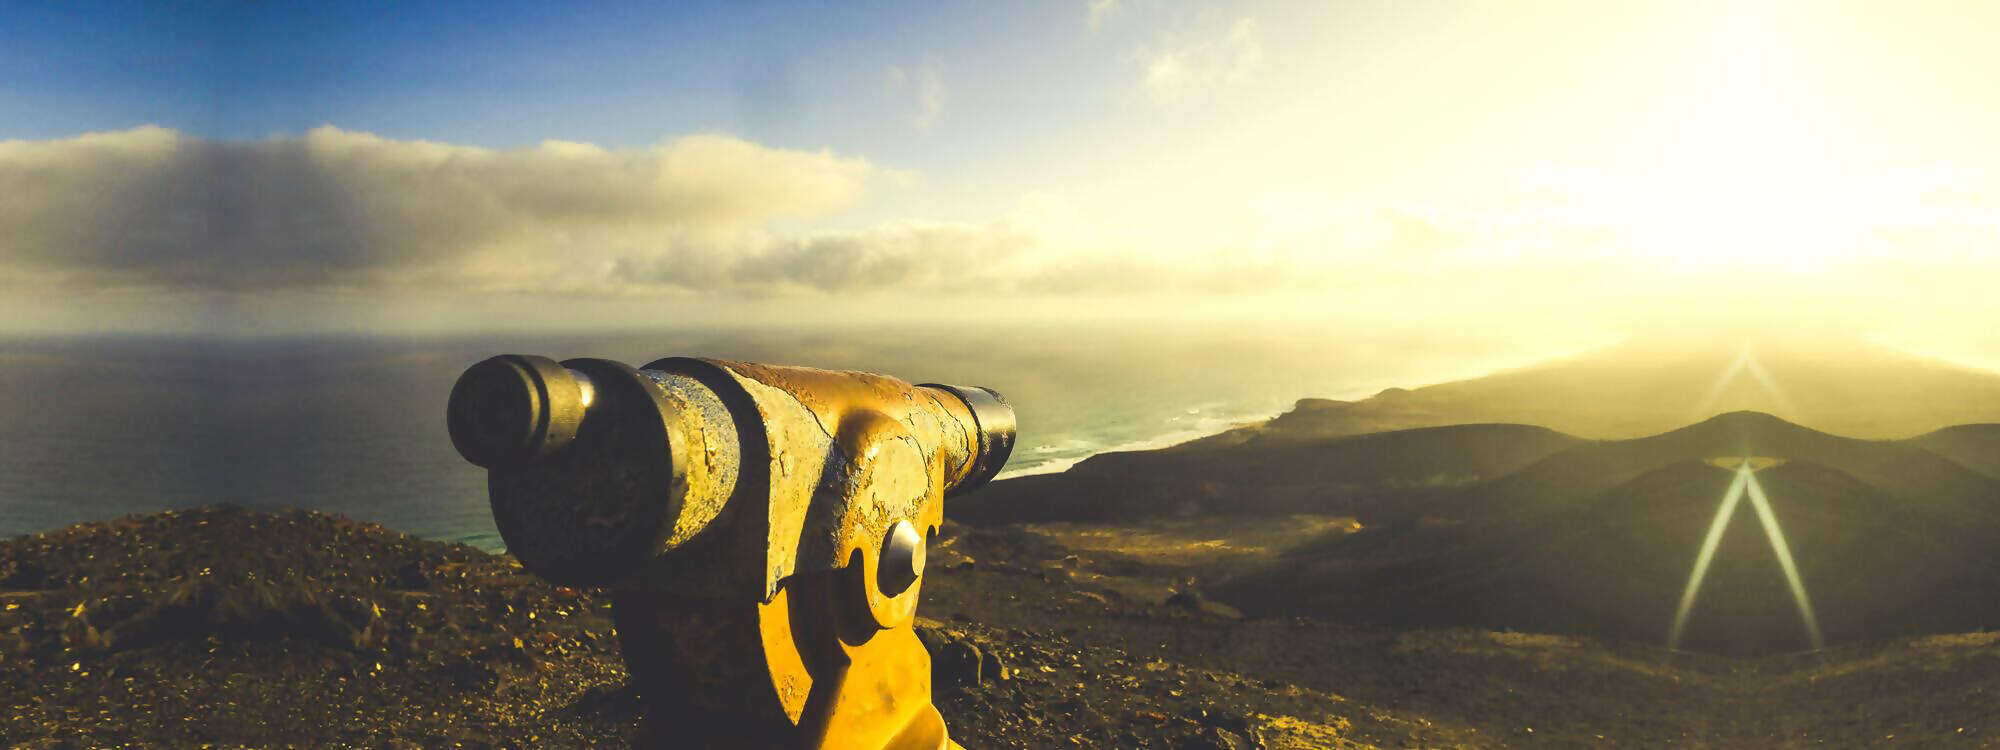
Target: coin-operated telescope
<point>762,530</point>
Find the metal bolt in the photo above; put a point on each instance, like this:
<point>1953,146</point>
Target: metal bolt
<point>902,559</point>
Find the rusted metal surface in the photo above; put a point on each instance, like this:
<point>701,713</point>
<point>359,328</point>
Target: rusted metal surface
<point>992,421</point>
<point>764,527</point>
<point>601,505</point>
<point>712,458</point>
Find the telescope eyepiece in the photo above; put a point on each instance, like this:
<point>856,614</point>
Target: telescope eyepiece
<point>514,408</point>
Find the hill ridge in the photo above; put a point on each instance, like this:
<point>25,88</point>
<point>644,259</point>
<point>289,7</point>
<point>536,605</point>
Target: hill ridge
<point>1640,388</point>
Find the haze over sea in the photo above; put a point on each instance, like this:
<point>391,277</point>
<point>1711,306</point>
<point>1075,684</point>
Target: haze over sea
<point>99,427</point>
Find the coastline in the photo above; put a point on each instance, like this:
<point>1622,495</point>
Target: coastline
<point>486,538</point>
<point>1209,427</point>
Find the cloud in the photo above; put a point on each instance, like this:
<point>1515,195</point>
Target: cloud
<point>1100,10</point>
<point>1177,66</point>
<point>711,216</point>
<point>928,91</point>
<point>930,97</point>
<point>150,207</point>
<point>335,210</point>
<point>901,255</point>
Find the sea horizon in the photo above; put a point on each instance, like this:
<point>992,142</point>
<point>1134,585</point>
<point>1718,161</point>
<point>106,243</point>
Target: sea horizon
<point>127,423</point>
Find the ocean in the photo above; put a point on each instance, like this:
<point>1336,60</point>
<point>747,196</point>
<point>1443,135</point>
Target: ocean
<point>97,427</point>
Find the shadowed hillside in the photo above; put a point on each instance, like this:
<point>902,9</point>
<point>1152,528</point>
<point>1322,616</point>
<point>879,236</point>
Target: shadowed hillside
<point>1615,565</point>
<point>1600,539</point>
<point>1974,446</point>
<point>1267,475</point>
<point>1587,470</point>
<point>1509,526</point>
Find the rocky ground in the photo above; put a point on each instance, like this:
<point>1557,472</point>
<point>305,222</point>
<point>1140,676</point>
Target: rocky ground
<point>226,627</point>
<point>237,628</point>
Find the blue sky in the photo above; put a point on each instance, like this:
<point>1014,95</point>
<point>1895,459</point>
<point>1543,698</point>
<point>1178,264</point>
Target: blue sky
<point>504,74</point>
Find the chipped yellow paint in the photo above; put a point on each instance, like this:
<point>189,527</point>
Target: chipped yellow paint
<point>831,462</point>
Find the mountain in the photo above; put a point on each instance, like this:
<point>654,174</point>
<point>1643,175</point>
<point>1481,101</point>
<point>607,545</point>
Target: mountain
<point>1573,497</point>
<point>1266,475</point>
<point>1589,469</point>
<point>1646,387</point>
<point>1600,539</point>
<point>1974,446</point>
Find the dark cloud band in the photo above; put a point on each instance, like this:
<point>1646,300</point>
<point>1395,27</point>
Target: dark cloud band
<point>150,207</point>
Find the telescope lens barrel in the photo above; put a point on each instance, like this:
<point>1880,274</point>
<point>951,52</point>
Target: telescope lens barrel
<point>515,408</point>
<point>596,468</point>
<point>993,423</point>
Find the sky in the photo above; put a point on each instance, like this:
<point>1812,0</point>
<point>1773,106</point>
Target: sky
<point>284,166</point>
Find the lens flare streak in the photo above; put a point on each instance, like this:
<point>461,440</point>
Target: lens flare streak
<point>1784,552</point>
<point>1745,484</point>
<point>1746,361</point>
<point>1707,554</point>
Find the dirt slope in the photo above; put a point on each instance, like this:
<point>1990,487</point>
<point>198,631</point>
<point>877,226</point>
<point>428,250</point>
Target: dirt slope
<point>242,629</point>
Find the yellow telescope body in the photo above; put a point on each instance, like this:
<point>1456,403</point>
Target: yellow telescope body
<point>762,530</point>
